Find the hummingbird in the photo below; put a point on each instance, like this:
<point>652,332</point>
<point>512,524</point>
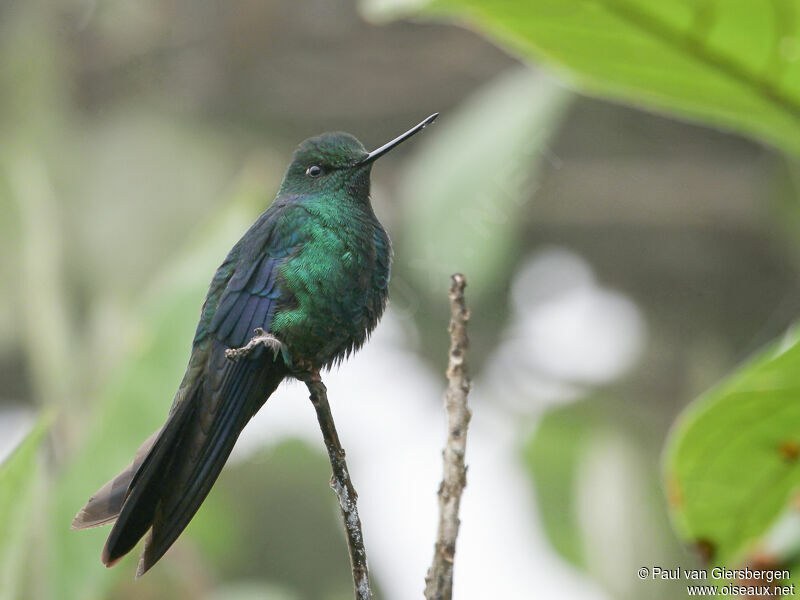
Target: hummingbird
<point>311,275</point>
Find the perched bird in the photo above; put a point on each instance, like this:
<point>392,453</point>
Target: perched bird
<point>313,273</point>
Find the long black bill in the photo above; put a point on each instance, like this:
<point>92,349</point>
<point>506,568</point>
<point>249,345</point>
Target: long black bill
<point>376,154</point>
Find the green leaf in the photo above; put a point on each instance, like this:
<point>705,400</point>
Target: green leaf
<point>250,590</point>
<point>598,499</point>
<point>18,478</point>
<point>274,523</point>
<point>732,462</point>
<point>553,456</point>
<point>466,187</point>
<point>733,63</point>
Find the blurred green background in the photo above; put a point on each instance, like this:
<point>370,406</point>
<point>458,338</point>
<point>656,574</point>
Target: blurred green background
<point>617,179</point>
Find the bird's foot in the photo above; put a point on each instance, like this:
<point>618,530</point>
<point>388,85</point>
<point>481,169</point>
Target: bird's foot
<point>260,338</point>
<point>305,372</point>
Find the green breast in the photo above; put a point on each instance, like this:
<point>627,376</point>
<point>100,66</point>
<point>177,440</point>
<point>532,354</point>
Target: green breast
<point>335,284</point>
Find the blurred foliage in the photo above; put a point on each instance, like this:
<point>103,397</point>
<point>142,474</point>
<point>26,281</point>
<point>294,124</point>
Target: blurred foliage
<point>554,466</point>
<point>251,591</point>
<point>125,126</point>
<point>134,403</point>
<point>731,464</point>
<point>286,482</point>
<point>463,199</point>
<point>20,482</point>
<point>590,464</point>
<point>732,64</point>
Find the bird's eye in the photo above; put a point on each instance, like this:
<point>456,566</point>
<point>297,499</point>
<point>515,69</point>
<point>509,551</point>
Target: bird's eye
<point>314,171</point>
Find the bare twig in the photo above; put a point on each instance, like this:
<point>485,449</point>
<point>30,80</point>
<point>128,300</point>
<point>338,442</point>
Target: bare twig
<point>439,580</point>
<point>340,480</point>
<point>343,487</point>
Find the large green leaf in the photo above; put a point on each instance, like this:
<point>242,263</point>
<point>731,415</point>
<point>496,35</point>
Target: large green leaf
<point>18,478</point>
<point>733,63</point>
<point>733,460</point>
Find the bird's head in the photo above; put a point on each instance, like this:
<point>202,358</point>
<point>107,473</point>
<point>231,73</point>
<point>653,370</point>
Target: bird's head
<point>337,162</point>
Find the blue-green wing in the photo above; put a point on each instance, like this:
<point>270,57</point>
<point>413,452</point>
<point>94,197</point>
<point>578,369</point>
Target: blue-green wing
<point>216,399</point>
<point>248,302</point>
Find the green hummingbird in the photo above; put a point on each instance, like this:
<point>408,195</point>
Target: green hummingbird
<point>312,272</point>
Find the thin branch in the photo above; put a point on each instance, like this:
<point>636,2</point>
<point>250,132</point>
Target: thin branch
<point>340,480</point>
<point>343,487</point>
<point>439,580</point>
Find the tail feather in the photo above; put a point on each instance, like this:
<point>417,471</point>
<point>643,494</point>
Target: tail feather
<point>136,515</point>
<point>104,506</point>
<point>175,469</point>
<point>197,474</point>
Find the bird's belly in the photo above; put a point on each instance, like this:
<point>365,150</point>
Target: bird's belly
<point>334,306</point>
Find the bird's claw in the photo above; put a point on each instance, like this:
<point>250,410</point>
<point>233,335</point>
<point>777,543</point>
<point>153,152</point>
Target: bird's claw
<point>260,338</point>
